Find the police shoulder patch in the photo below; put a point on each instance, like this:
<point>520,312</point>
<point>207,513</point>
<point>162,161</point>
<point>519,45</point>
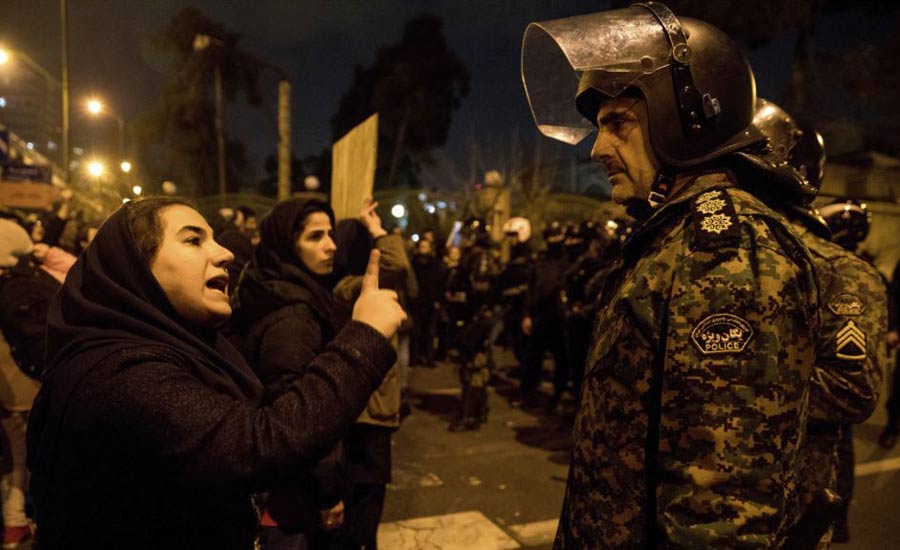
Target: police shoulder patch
<point>722,333</point>
<point>714,220</point>
<point>846,304</point>
<point>850,342</point>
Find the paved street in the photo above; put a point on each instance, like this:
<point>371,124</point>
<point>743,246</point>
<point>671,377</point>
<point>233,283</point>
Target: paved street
<point>502,487</point>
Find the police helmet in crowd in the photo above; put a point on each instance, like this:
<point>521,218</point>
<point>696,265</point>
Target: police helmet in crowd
<point>849,222</point>
<point>555,233</point>
<point>517,228</point>
<point>809,156</point>
<point>792,162</point>
<point>698,86</point>
<point>579,237</point>
<point>14,243</point>
<point>476,232</point>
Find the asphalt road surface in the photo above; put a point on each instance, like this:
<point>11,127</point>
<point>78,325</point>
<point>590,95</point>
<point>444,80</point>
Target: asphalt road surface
<point>501,487</point>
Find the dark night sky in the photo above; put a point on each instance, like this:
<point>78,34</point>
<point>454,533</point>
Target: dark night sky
<point>319,42</point>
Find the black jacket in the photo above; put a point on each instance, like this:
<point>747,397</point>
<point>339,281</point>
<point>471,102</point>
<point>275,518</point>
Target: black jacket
<point>430,276</point>
<point>282,314</point>
<point>148,433</point>
<point>25,295</point>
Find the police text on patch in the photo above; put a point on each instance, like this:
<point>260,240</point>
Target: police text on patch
<point>721,333</point>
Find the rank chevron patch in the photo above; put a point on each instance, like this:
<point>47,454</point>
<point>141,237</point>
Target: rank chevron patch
<point>851,342</point>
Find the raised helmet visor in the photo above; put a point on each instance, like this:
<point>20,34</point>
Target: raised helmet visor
<point>612,46</point>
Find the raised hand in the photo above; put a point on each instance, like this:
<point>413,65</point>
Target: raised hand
<point>369,217</point>
<point>375,307</point>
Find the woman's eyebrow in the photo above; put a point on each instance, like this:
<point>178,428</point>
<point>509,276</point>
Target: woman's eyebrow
<point>192,228</point>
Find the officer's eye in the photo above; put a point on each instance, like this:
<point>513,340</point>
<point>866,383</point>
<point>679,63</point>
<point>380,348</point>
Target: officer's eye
<point>617,122</point>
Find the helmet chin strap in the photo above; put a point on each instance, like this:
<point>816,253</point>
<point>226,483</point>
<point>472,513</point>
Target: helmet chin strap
<point>659,194</point>
<point>660,188</point>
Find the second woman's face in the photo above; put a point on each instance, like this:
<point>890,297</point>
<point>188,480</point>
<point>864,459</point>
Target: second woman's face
<point>314,246</point>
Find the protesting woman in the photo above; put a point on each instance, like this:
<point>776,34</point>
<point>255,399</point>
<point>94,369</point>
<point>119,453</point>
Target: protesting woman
<point>150,431</point>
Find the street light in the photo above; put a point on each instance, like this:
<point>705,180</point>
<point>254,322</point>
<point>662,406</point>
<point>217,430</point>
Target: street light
<point>125,166</point>
<point>8,55</point>
<point>96,107</point>
<point>137,190</point>
<point>95,168</point>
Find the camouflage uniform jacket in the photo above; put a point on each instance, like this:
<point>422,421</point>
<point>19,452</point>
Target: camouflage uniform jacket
<point>697,381</point>
<point>850,354</point>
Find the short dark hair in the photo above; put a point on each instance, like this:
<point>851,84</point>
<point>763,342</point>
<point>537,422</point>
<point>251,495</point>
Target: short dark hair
<point>146,225</point>
<point>246,211</point>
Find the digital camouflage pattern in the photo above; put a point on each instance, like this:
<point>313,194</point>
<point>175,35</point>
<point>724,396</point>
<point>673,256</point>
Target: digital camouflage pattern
<point>714,292</point>
<point>850,356</point>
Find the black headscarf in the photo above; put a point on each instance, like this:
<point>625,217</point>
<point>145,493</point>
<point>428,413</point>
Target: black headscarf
<point>276,276</point>
<point>111,302</point>
<point>111,306</point>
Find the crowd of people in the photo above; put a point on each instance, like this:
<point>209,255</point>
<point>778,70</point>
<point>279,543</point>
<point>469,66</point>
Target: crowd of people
<point>178,382</point>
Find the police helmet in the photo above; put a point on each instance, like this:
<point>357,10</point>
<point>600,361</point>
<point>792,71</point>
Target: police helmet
<point>576,239</point>
<point>555,232</point>
<point>849,222</point>
<point>476,231</point>
<point>698,86</point>
<point>518,228</point>
<point>785,163</point>
<point>809,156</point>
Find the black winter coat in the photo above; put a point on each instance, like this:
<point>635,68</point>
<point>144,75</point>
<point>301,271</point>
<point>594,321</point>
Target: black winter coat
<point>25,295</point>
<point>282,321</point>
<point>149,433</point>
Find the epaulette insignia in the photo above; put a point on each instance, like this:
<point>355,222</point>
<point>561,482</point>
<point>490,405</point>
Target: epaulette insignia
<point>715,220</point>
<point>851,343</point>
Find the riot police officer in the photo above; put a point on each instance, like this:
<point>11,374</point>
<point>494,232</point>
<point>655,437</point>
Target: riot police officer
<point>469,299</point>
<point>515,283</point>
<point>577,302</point>
<point>849,351</point>
<point>858,342</point>
<point>544,323</point>
<point>694,397</point>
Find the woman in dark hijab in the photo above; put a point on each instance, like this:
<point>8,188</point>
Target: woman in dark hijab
<point>150,431</point>
<point>283,314</point>
<point>368,442</point>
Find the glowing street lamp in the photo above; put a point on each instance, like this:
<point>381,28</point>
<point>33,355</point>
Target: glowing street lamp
<point>14,57</point>
<point>125,166</point>
<point>94,106</point>
<point>137,190</point>
<point>398,211</point>
<point>95,168</point>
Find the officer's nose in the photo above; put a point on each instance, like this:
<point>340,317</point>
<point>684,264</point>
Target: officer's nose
<point>602,150</point>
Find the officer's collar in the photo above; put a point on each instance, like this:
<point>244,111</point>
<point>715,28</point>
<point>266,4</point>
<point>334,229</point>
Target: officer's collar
<point>697,184</point>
